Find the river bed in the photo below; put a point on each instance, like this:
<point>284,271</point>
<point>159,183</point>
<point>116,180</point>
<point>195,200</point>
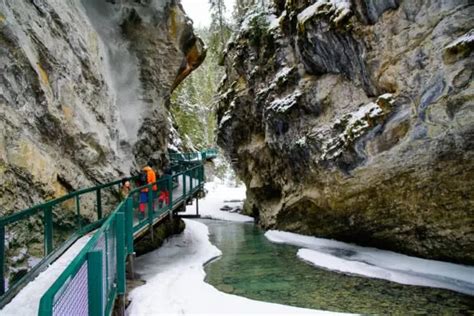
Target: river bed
<point>253,267</point>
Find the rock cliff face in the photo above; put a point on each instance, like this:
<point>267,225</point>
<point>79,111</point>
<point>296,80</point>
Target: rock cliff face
<point>84,90</point>
<point>354,120</point>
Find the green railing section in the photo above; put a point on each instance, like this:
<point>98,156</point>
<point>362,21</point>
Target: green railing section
<point>194,156</point>
<point>89,285</point>
<point>210,153</point>
<point>90,200</point>
<point>92,281</point>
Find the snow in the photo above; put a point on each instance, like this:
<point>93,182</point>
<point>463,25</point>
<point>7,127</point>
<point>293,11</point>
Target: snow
<point>386,96</point>
<point>354,125</point>
<point>283,73</point>
<point>380,264</point>
<point>27,301</point>
<point>283,105</point>
<point>270,20</point>
<point>339,9</point>
<point>218,193</point>
<point>301,142</point>
<point>174,276</point>
<point>245,26</point>
<point>227,116</point>
<point>273,22</point>
<point>463,40</point>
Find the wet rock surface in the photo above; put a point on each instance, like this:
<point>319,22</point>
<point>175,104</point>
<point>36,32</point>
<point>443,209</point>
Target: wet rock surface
<point>354,120</point>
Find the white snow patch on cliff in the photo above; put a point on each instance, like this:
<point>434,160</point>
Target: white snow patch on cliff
<point>286,103</point>
<point>353,126</point>
<point>463,40</point>
<point>338,9</point>
<point>380,264</point>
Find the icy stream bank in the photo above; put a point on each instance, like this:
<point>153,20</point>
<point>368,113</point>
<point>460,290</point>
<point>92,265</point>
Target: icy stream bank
<point>174,276</point>
<point>252,266</point>
<point>381,264</point>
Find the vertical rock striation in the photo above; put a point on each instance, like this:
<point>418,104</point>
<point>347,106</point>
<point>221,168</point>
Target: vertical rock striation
<point>354,120</point>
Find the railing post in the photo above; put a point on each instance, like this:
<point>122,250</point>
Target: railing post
<point>170,190</point>
<point>95,283</point>
<point>129,224</point>
<point>2,259</point>
<point>48,230</point>
<point>99,204</point>
<point>150,210</point>
<point>199,177</point>
<point>190,172</point>
<point>184,185</point>
<point>78,211</point>
<point>150,204</point>
<point>120,252</point>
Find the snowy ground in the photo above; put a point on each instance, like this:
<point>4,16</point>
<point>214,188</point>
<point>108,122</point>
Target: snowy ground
<point>381,264</point>
<point>174,276</point>
<point>219,194</point>
<point>27,301</point>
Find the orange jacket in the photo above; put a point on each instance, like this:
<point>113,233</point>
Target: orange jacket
<point>150,178</point>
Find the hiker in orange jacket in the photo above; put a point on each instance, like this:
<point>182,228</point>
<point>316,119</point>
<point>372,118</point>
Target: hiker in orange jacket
<point>150,178</point>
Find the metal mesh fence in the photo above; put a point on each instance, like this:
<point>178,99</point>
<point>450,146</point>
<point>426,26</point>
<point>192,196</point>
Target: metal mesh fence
<point>102,247</point>
<point>69,295</point>
<point>111,256</point>
<point>72,299</point>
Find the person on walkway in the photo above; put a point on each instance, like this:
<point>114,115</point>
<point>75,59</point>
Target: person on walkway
<point>125,188</point>
<point>164,197</point>
<point>150,177</point>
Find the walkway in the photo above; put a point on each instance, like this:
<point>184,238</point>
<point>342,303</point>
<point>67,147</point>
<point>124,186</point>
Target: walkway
<point>81,289</point>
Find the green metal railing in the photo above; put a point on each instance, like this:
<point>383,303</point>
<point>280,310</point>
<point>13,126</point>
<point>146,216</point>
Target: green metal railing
<point>92,281</point>
<point>90,200</point>
<point>210,153</point>
<point>194,156</point>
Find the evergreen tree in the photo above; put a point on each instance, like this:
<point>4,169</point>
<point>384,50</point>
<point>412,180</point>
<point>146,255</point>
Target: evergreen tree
<point>220,29</point>
<point>192,102</point>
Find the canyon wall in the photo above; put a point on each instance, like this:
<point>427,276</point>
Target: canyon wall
<point>354,120</point>
<point>84,96</point>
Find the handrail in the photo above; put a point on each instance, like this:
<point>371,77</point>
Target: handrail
<point>46,209</point>
<point>104,266</point>
<point>194,156</point>
<point>5,220</point>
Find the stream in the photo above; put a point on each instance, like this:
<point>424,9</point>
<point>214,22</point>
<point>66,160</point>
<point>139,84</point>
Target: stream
<point>253,267</point>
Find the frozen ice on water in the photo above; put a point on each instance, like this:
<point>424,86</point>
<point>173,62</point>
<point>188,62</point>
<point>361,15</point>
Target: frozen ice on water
<point>381,264</point>
<point>174,276</point>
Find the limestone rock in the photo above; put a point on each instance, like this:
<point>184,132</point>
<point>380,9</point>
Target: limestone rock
<point>84,90</point>
<point>354,120</point>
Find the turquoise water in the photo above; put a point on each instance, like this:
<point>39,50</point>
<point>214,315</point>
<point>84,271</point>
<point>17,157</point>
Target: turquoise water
<point>253,267</point>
